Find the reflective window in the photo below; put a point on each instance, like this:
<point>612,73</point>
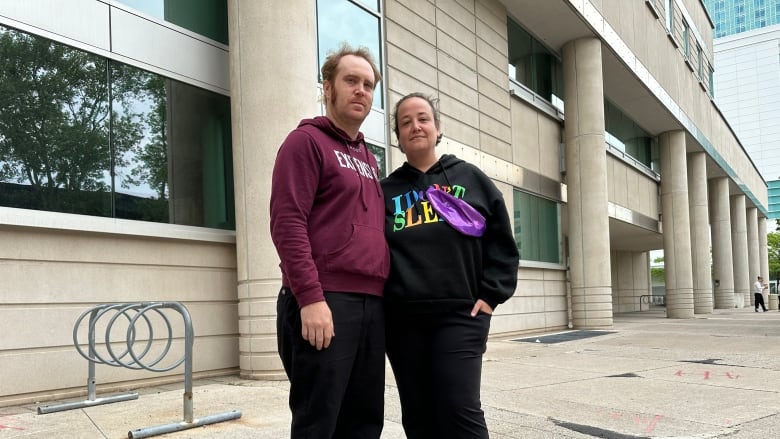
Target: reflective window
<point>625,135</point>
<point>734,16</point>
<point>340,21</point>
<point>531,64</point>
<point>537,228</point>
<point>204,17</point>
<point>86,135</point>
<point>381,159</point>
<point>54,127</point>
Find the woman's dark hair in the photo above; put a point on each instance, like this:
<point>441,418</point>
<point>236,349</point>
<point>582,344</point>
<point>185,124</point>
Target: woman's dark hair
<point>432,102</point>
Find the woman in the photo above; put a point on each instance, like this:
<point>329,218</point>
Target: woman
<point>443,284</point>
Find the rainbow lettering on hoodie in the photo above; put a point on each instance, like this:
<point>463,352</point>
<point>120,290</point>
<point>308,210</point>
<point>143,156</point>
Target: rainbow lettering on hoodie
<point>411,209</point>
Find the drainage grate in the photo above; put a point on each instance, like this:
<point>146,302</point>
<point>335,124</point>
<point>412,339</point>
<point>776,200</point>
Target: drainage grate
<point>564,336</point>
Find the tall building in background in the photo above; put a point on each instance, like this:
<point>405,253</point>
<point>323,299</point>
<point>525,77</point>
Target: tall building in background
<point>747,81</point>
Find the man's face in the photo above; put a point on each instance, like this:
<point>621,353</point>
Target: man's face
<point>350,94</point>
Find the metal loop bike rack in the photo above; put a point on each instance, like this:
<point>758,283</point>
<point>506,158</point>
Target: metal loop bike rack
<point>131,358</point>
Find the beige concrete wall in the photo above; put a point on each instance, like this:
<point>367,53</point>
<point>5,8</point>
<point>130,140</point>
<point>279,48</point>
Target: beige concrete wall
<point>540,303</point>
<point>701,21</point>
<point>536,140</point>
<point>647,37</point>
<point>631,189</point>
<point>456,51</point>
<point>51,276</point>
<point>630,280</point>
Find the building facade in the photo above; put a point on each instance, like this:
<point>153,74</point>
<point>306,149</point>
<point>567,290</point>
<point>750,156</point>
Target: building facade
<point>747,60</point>
<point>136,149</point>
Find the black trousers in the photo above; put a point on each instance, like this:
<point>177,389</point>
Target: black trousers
<point>437,363</point>
<point>759,299</point>
<point>338,392</point>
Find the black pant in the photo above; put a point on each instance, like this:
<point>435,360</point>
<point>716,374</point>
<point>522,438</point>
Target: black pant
<point>759,299</point>
<point>336,392</point>
<point>437,363</point>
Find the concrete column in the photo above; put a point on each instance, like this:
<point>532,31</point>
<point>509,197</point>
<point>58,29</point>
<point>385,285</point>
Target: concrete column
<point>678,273</point>
<point>739,251</point>
<point>720,229</point>
<point>630,280</point>
<point>754,270</point>
<point>273,84</point>
<point>586,177</point>
<point>700,233</point>
<point>763,249</point>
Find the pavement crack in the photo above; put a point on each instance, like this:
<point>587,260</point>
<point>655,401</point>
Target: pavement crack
<point>97,427</point>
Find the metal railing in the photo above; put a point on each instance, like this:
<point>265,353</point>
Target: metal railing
<point>130,357</point>
<point>650,300</point>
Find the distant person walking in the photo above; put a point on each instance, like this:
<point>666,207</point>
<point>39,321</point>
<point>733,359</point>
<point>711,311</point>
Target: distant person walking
<point>758,289</point>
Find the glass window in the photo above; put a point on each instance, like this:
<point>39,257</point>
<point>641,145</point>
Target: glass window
<point>624,134</point>
<point>204,17</point>
<point>54,127</point>
<point>381,159</point>
<point>537,225</point>
<point>340,21</point>
<point>531,64</point>
<point>699,61</point>
<point>86,135</point>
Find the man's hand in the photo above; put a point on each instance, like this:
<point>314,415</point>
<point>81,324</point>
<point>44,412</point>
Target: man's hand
<point>317,324</point>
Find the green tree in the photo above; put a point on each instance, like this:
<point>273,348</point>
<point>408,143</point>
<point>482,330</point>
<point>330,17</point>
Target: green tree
<point>773,251</point>
<point>57,139</point>
<point>152,153</point>
<point>657,273</point>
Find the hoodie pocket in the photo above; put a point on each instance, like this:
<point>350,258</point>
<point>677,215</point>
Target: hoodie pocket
<point>365,252</point>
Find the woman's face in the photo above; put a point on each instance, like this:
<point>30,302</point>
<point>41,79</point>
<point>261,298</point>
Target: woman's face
<point>417,129</point>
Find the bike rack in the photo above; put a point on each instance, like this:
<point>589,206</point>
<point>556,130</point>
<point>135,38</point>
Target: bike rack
<point>136,361</point>
<point>651,300</point>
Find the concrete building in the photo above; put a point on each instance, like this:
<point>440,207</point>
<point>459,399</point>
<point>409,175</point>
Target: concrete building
<point>747,65</point>
<point>136,147</point>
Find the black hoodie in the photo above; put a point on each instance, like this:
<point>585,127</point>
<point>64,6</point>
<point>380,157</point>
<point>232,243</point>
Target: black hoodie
<point>433,267</point>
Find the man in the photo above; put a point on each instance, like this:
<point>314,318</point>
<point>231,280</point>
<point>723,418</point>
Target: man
<point>327,223</point>
<point>758,290</point>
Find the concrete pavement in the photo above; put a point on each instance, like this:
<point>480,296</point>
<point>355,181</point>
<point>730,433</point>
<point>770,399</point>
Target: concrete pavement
<point>714,376</point>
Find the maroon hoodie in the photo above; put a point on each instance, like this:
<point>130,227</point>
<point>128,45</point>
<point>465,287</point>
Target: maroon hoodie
<point>327,213</point>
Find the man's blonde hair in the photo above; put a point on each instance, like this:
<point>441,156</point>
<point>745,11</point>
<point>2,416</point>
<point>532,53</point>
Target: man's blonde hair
<point>329,68</point>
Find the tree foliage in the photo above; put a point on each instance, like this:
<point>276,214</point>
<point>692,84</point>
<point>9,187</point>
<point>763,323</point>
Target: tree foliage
<point>65,126</point>
<point>773,250</point>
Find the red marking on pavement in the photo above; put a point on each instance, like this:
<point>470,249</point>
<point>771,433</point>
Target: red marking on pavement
<point>641,420</point>
<point>8,427</point>
<point>707,374</point>
<point>650,423</point>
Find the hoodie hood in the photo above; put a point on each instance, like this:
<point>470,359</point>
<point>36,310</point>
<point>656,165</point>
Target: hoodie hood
<point>416,178</point>
<point>328,127</point>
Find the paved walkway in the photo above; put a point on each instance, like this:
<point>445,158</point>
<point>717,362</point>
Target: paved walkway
<point>714,376</point>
